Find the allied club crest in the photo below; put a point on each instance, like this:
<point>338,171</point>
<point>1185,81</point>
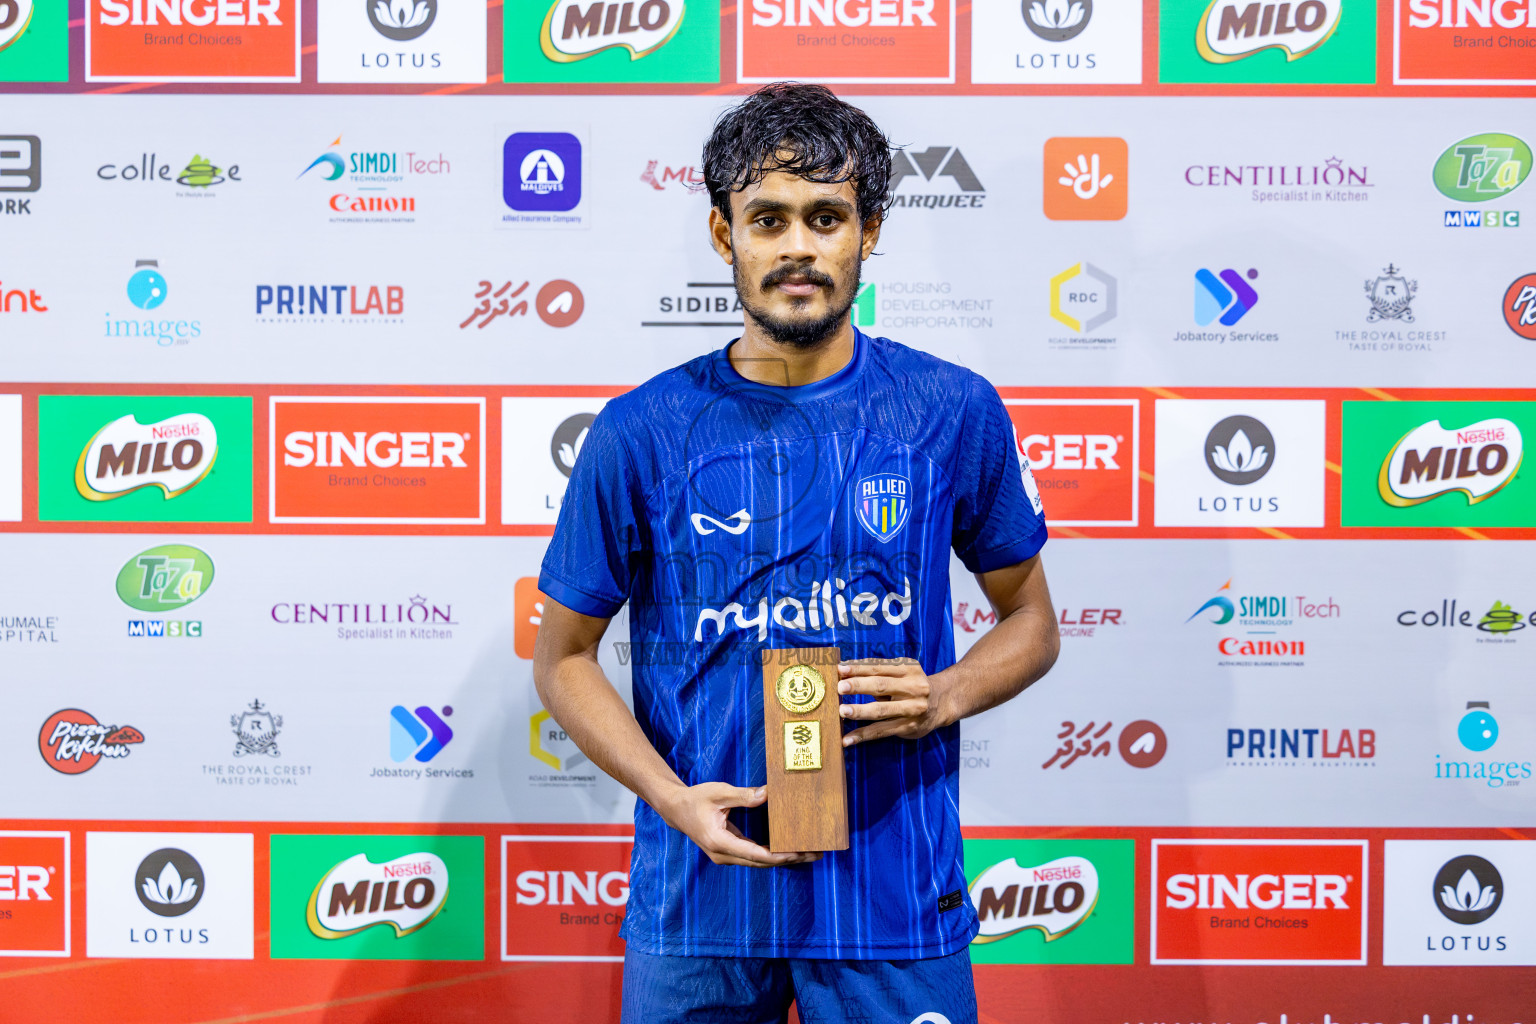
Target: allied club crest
<point>256,731</point>
<point>1390,295</point>
<point>883,503</point>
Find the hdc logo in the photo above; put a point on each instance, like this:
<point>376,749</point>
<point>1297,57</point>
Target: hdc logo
<point>563,897</point>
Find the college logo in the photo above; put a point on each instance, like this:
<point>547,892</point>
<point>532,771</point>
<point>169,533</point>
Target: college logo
<point>1234,29</point>
<point>165,578</point>
<point>377,460</point>
<point>192,41</point>
<point>851,41</point>
<point>1520,306</point>
<point>352,897</point>
<point>1052,900</point>
<point>35,888</point>
<point>174,455</point>
<point>256,730</point>
<point>71,741</point>
<point>1478,460</point>
<point>1444,43</point>
<point>1084,454</point>
<point>198,178</point>
<point>1086,179</point>
<point>564,896</point>
<point>401,41</point>
<point>1257,902</point>
<point>882,504</point>
<point>1448,902</point>
<point>1242,41</point>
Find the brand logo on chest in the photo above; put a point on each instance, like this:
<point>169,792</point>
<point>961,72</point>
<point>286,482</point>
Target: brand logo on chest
<point>883,503</point>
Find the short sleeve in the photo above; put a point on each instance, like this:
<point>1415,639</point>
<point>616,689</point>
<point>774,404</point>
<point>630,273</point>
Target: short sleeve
<point>590,564</point>
<point>999,519</point>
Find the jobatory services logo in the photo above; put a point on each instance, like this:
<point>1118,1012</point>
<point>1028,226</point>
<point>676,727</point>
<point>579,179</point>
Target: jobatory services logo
<point>21,170</point>
<point>1439,42</point>
<point>541,438</point>
<point>1237,901</point>
<point>1258,629</point>
<point>34,41</point>
<point>192,41</point>
<point>1086,178</point>
<point>1265,41</point>
<point>612,41</point>
<point>365,897</point>
<point>420,735</point>
<point>854,41</point>
<point>1060,901</point>
<point>1296,746</point>
<point>1141,744</point>
<point>34,883</point>
<point>377,460</point>
<point>1519,307</point>
<point>1477,732</point>
<point>541,176</point>
<point>147,289</point>
<point>72,741</point>
<point>1056,41</point>
<point>1459,903</point>
<point>1084,298</point>
<point>564,896</point>
<point>1234,462</point>
<point>1479,169</point>
<point>379,41</point>
<point>559,303</point>
<point>199,178</point>
<point>373,186</point>
<point>123,458</point>
<point>1225,296</point>
<point>1084,455</point>
<point>1424,464</point>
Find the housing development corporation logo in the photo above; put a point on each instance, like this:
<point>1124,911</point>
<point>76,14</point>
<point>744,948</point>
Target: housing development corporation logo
<point>72,741</point>
<point>1458,903</point>
<point>35,883</point>
<point>1465,42</point>
<point>1478,169</point>
<point>368,41</point>
<point>1086,178</point>
<point>1248,41</point>
<point>1052,901</point>
<point>192,41</point>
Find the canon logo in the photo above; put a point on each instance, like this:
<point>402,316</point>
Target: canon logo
<point>1471,14</point>
<point>190,12</point>
<point>566,888</point>
<point>23,882</point>
<point>1070,451</point>
<point>849,13</point>
<point>408,448</point>
<point>1262,892</point>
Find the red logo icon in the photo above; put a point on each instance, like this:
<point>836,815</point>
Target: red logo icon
<point>846,41</point>
<point>72,741</point>
<point>192,41</point>
<point>1084,457</point>
<point>563,897</point>
<point>34,892</point>
<point>1520,307</point>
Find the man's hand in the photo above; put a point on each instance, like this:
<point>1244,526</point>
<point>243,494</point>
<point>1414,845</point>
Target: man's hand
<point>906,701</point>
<point>699,812</point>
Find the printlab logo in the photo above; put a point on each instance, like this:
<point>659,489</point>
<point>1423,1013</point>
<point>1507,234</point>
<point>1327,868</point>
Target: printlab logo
<point>330,304</point>
<point>21,170</point>
<point>1239,450</point>
<point>169,882</point>
<point>256,730</point>
<point>401,20</point>
<point>1468,889</point>
<point>1355,748</point>
<point>1519,307</point>
<point>72,741</point>
<point>1141,744</point>
<point>566,442</point>
<point>1086,178</point>
<point>421,735</point>
<point>1224,296</point>
<point>559,303</point>
<point>1391,296</point>
<point>1478,169</point>
<point>929,165</point>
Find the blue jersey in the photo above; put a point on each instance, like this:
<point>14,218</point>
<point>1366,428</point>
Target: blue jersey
<point>735,516</point>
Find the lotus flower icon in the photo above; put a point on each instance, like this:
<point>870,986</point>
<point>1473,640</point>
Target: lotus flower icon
<point>1468,896</point>
<point>1468,889</point>
<point>1057,14</point>
<point>170,887</point>
<point>1240,455</point>
<point>170,882</point>
<point>1239,450</point>
<point>402,20</point>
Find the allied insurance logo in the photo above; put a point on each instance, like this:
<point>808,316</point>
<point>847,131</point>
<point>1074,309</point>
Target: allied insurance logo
<point>1464,42</point>
<point>377,460</point>
<point>848,41</point>
<point>1249,901</point>
<point>34,885</point>
<point>1084,455</point>
<point>192,41</point>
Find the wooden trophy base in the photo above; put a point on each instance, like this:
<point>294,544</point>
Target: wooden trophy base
<point>807,785</point>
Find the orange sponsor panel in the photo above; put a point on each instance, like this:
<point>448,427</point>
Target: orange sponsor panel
<point>1465,42</point>
<point>1083,455</point>
<point>1087,178</point>
<point>846,40</point>
<point>192,40</point>
<point>34,894</point>
<point>528,607</point>
<point>377,460</point>
<point>564,897</point>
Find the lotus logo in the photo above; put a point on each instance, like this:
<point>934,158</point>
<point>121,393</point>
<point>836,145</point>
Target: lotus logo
<point>1239,450</point>
<point>169,882</point>
<point>1231,30</point>
<point>124,456</point>
<point>1057,20</point>
<point>1482,167</point>
<point>405,893</point>
<point>402,20</point>
<point>165,578</point>
<point>576,29</point>
<point>1478,460</point>
<point>569,437</point>
<point>1468,889</point>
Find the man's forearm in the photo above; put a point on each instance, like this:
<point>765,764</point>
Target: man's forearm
<point>1013,654</point>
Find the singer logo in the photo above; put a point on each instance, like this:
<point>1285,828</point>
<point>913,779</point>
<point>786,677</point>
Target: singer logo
<point>1465,42</point>
<point>564,896</point>
<point>1084,456</point>
<point>377,460</point>
<point>846,41</point>
<point>1477,460</point>
<point>34,894</point>
<point>125,455</point>
<point>192,41</point>
<point>1254,902</point>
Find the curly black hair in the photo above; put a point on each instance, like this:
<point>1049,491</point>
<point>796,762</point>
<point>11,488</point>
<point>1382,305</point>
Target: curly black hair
<point>806,131</point>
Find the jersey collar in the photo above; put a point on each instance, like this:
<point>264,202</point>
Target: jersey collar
<point>802,392</point>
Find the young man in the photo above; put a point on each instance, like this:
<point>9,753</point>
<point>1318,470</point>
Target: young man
<point>801,487</point>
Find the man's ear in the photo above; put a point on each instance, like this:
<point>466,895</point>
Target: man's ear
<point>871,233</point>
<point>720,234</point>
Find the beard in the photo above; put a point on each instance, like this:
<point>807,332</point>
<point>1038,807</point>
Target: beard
<point>799,332</point>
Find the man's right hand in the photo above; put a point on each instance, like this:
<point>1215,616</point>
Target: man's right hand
<point>701,813</point>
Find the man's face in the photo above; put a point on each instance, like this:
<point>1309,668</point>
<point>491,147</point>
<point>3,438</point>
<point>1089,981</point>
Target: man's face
<point>795,248</point>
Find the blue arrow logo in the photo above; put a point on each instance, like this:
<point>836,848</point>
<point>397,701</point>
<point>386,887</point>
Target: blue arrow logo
<point>422,735</point>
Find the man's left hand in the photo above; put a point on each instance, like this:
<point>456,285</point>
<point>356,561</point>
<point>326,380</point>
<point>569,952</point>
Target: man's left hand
<point>906,703</point>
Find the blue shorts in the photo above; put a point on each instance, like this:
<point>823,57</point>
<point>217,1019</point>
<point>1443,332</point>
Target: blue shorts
<point>758,990</point>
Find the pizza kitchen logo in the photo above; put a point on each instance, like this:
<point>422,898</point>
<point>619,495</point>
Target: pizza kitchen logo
<point>72,741</point>
<point>404,894</point>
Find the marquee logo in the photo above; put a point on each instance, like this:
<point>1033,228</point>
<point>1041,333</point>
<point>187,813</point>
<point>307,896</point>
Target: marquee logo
<point>35,892</point>
<point>72,741</point>
<point>847,41</point>
<point>1478,460</point>
<point>165,578</point>
<point>930,165</point>
<point>564,896</point>
<point>1233,29</point>
<point>1052,898</point>
<point>1482,167</point>
<point>405,893</point>
<point>174,454</point>
<point>576,29</point>
<point>192,41</point>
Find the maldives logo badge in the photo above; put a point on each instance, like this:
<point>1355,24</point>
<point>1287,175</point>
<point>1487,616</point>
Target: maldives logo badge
<point>618,41</point>
<point>1053,900</point>
<point>192,41</point>
<point>882,503</point>
<point>1250,41</point>
<point>72,741</point>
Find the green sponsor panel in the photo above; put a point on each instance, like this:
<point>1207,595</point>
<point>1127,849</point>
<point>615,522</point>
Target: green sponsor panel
<point>1263,46</point>
<point>378,897</point>
<point>163,478</point>
<point>1437,464</point>
<point>38,52</point>
<point>623,41</point>
<point>1052,901</point>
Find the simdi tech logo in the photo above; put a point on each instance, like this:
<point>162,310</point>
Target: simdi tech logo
<point>368,41</point>
<point>612,41</point>
<point>125,458</point>
<point>1452,464</point>
<point>1255,901</point>
<point>370,897</point>
<point>563,897</point>
<point>1267,41</point>
<point>34,894</point>
<point>34,41</point>
<point>1464,42</point>
<point>850,41</point>
<point>1086,178</point>
<point>192,41</point>
<point>1057,901</point>
<point>377,460</point>
<point>1459,903</point>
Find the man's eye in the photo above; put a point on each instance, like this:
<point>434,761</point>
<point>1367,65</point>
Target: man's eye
<point>768,223</point>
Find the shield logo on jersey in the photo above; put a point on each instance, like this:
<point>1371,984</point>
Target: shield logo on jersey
<point>883,502</point>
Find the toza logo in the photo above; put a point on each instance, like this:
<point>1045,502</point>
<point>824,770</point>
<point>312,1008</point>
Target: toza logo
<point>1231,30</point>
<point>570,33</point>
<point>1052,898</point>
<point>1482,167</point>
<point>174,454</point>
<point>405,893</point>
<point>164,578</point>
<point>1478,460</point>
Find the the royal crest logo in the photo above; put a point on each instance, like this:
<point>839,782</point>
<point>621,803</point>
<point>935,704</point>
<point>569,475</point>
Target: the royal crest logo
<point>1053,898</point>
<point>883,503</point>
<point>1231,30</point>
<point>124,456</point>
<point>1391,296</point>
<point>1478,460</point>
<point>256,731</point>
<point>574,29</point>
<point>405,893</point>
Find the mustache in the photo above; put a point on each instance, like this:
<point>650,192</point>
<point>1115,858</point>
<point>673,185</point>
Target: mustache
<point>779,275</point>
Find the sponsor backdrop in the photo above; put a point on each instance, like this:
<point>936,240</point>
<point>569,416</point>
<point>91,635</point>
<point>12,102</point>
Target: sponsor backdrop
<point>306,309</point>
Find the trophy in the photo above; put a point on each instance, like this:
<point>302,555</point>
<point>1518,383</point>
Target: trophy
<point>807,787</point>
